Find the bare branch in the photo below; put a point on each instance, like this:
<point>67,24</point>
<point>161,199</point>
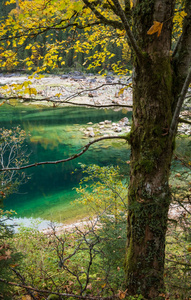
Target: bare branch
<point>177,46</point>
<point>22,279</point>
<point>101,106</point>
<point>181,98</point>
<point>94,89</point>
<point>74,95</point>
<point>182,51</point>
<point>180,120</point>
<point>54,293</point>
<point>179,263</point>
<point>58,102</point>
<point>84,149</point>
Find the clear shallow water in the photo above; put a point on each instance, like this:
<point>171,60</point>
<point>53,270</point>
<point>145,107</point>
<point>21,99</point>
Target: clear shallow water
<point>17,224</point>
<point>55,134</point>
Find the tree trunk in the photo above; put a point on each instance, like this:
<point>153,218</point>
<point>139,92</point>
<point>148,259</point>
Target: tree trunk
<point>151,153</point>
<point>149,195</point>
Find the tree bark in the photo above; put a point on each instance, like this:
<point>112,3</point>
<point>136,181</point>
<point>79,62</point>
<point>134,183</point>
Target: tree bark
<point>149,194</point>
<point>151,151</point>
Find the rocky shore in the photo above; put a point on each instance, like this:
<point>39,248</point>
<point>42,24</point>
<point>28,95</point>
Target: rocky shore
<point>75,88</point>
<point>106,128</point>
<point>175,212</point>
<point>53,90</point>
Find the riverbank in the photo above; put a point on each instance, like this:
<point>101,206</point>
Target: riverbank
<point>77,89</point>
<point>48,228</point>
<point>53,90</point>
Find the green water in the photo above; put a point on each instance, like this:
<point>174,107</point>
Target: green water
<point>55,134</point>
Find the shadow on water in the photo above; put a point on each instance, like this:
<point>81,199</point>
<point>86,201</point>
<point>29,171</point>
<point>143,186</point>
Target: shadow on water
<point>55,134</point>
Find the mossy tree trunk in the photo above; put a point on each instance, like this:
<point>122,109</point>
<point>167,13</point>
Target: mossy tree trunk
<point>149,195</point>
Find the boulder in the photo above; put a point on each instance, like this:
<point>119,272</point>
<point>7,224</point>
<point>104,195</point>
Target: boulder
<point>64,76</point>
<point>89,129</point>
<point>77,78</point>
<point>117,129</point>
<point>125,120</point>
<point>107,122</point>
<point>91,134</point>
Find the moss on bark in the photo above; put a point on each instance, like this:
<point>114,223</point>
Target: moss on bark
<point>149,195</point>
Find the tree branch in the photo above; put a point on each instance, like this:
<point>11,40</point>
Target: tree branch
<point>41,30</point>
<point>22,279</point>
<point>130,35</point>
<point>58,102</point>
<point>124,25</point>
<point>181,98</point>
<point>68,98</point>
<point>114,24</point>
<point>84,149</point>
<point>94,89</point>
<point>55,293</point>
<point>177,46</point>
<point>180,120</point>
<point>178,263</point>
<point>102,106</point>
<point>182,51</point>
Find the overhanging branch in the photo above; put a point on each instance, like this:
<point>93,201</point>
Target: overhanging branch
<point>84,149</point>
<point>58,102</point>
<point>67,99</point>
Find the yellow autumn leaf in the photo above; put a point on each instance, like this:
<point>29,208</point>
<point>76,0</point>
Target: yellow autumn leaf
<point>2,103</point>
<point>131,3</point>
<point>33,91</point>
<point>156,27</point>
<point>121,91</point>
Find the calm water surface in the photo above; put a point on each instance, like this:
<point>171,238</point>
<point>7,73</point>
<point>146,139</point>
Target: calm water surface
<point>55,135</point>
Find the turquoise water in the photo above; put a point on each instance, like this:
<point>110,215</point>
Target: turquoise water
<point>55,134</point>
